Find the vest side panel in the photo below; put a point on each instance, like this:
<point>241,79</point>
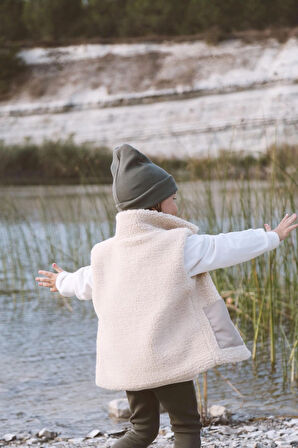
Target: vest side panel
<point>222,336</point>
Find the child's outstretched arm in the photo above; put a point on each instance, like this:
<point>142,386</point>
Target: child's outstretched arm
<point>68,284</point>
<point>208,252</point>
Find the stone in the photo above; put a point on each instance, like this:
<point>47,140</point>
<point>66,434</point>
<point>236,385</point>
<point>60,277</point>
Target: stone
<point>23,436</point>
<point>109,442</point>
<point>77,440</point>
<point>217,410</point>
<point>283,445</point>
<point>169,435</point>
<point>218,414</point>
<point>250,428</point>
<point>95,441</point>
<point>254,435</point>
<point>44,432</point>
<point>32,440</point>
<point>94,433</point>
<point>9,437</point>
<point>292,422</point>
<point>119,408</point>
<point>162,431</point>
<point>271,434</point>
<point>116,432</point>
<point>226,430</point>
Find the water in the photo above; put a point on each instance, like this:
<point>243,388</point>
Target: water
<point>47,375</point>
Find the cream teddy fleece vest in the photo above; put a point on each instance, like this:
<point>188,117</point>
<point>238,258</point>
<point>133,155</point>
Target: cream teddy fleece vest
<point>156,325</point>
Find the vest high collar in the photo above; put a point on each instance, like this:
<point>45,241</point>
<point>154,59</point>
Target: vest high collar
<point>132,221</point>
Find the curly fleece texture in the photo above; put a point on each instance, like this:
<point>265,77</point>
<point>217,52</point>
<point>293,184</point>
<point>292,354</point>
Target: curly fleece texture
<point>153,325</point>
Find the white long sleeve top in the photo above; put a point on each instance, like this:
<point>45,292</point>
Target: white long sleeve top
<point>202,253</point>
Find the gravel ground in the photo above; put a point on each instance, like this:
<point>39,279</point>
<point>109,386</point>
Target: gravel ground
<point>260,433</point>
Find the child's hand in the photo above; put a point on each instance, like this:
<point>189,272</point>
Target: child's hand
<point>284,227</point>
<point>50,280</point>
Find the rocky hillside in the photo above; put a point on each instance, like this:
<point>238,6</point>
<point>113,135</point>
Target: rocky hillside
<point>165,98</point>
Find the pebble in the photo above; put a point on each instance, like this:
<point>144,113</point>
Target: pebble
<point>93,433</point>
<point>9,437</point>
<point>44,432</point>
<point>119,408</point>
<point>217,410</point>
<point>292,422</point>
<point>279,432</point>
<point>32,440</point>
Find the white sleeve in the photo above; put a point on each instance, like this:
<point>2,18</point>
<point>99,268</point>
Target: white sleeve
<point>205,252</point>
<point>78,283</point>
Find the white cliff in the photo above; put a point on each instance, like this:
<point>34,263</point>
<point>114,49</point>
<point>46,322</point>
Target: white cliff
<point>166,98</point>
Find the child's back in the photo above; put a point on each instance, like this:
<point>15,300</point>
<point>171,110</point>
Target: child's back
<point>157,325</point>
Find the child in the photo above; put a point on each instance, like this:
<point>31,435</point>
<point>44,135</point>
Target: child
<point>161,320</point>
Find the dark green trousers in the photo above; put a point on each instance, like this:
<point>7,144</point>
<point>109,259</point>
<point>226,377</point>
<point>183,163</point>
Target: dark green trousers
<point>179,400</point>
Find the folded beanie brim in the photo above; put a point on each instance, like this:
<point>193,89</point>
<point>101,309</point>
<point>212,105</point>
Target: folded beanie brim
<point>157,193</point>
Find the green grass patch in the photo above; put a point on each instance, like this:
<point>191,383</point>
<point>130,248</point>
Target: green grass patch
<point>64,162</point>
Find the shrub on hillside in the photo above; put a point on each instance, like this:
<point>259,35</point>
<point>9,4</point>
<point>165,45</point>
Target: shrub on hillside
<point>12,66</point>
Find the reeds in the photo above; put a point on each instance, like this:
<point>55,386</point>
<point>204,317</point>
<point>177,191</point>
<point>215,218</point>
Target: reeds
<point>261,294</point>
<point>63,223</point>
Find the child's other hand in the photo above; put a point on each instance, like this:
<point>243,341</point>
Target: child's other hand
<point>50,280</point>
<point>284,227</point>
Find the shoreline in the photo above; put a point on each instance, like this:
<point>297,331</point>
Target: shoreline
<point>272,431</point>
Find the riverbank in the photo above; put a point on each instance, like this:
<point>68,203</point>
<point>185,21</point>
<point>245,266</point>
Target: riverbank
<point>253,433</point>
<point>64,162</point>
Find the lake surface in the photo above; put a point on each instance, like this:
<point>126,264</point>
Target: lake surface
<point>47,351</point>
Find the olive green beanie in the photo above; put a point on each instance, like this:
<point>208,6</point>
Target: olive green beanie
<point>137,181</point>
